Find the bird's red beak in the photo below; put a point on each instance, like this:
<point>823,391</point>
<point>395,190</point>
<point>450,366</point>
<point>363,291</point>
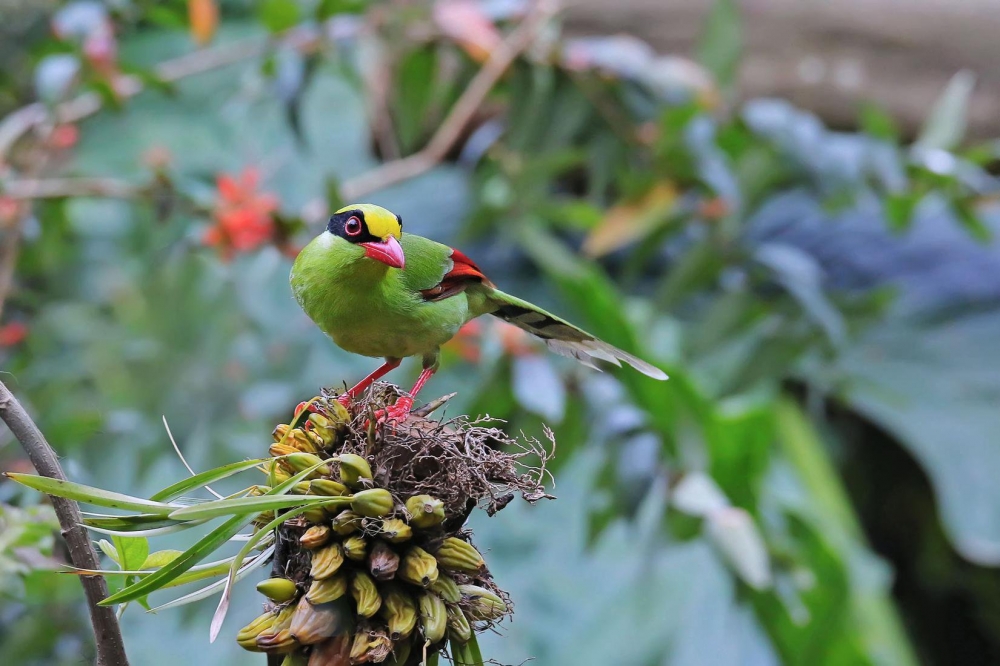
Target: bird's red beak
<point>389,252</point>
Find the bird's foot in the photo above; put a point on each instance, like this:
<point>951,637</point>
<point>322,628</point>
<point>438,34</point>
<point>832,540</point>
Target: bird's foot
<point>395,413</point>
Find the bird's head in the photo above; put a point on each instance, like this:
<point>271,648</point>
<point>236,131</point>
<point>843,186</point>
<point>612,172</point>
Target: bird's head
<point>372,228</point>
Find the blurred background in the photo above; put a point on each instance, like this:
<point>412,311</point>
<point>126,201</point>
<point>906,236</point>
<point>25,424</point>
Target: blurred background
<point>791,206</point>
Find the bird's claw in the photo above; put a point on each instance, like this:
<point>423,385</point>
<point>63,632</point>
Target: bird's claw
<point>395,413</point>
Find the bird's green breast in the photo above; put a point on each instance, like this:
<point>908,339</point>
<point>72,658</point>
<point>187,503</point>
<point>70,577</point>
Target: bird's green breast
<point>371,309</point>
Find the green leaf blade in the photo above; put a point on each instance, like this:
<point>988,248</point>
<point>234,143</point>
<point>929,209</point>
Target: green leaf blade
<point>90,495</point>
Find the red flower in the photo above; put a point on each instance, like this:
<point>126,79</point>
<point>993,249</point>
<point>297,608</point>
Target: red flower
<point>243,216</point>
<point>64,136</point>
<point>10,209</point>
<point>13,333</point>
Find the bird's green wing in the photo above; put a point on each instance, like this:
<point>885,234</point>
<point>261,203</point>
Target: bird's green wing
<point>427,262</point>
<point>561,336</point>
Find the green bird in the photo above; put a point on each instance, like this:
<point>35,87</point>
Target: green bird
<point>379,292</point>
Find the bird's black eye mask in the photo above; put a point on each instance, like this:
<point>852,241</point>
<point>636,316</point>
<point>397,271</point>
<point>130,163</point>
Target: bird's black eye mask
<point>351,226</point>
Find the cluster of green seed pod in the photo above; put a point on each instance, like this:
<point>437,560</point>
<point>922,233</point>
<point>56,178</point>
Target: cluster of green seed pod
<point>384,578</point>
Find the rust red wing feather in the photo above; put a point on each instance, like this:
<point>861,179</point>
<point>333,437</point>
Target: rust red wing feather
<point>463,273</point>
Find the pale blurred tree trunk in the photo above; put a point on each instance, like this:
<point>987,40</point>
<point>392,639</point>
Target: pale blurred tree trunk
<point>830,55</point>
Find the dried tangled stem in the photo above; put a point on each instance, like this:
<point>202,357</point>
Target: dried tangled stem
<point>382,569</point>
<point>458,460</point>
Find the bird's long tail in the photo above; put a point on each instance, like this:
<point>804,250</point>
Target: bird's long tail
<point>563,337</point>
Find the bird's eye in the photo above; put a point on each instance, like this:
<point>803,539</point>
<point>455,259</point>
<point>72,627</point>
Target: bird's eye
<point>352,227</point>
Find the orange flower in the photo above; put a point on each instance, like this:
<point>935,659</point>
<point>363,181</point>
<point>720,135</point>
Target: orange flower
<point>514,341</point>
<point>467,341</point>
<point>243,216</point>
<point>13,333</point>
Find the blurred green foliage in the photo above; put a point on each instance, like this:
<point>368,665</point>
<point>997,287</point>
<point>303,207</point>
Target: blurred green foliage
<point>702,520</point>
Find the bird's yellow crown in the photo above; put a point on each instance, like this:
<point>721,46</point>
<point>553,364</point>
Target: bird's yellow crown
<point>380,222</point>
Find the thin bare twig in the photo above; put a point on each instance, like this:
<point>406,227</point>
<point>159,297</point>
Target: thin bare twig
<point>107,633</point>
<point>458,118</point>
<point>54,188</point>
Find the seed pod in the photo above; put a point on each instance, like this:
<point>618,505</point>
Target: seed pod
<point>278,590</point>
<point>400,653</point>
<point>327,487</point>
<point>277,639</point>
<point>395,530</point>
<point>353,468</point>
<point>327,589</point>
<point>282,449</point>
<point>482,604</point>
<point>373,503</point>
<point>460,556</point>
<point>346,522</point>
<point>338,413</point>
<point>382,561</point>
<point>326,561</point>
<point>354,548</point>
<point>324,429</point>
<point>314,623</point>
<point>315,536</point>
<point>334,651</point>
<point>418,567</point>
<point>303,441</point>
<point>446,588</point>
<point>399,610</point>
<point>300,462</point>
<point>433,616</point>
<point>281,642</point>
<point>247,636</point>
<point>300,488</point>
<point>263,518</point>
<point>277,472</point>
<point>294,659</point>
<point>280,431</point>
<point>371,645</point>
<point>425,511</point>
<point>315,515</point>
<point>366,596</point>
<point>459,628</point>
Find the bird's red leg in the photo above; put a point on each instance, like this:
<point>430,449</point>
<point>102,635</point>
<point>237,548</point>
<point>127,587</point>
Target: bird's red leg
<point>352,393</point>
<point>401,409</point>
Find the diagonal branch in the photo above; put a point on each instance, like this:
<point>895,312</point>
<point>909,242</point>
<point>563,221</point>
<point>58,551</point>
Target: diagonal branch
<point>107,633</point>
<point>458,118</point>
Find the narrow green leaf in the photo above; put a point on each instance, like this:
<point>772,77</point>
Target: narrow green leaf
<point>474,651</point>
<point>721,42</point>
<point>945,126</point>
<point>244,505</point>
<point>220,612</point>
<point>195,573</point>
<point>209,590</point>
<point>169,528</point>
<point>108,549</point>
<point>204,479</point>
<point>208,544</point>
<point>199,551</point>
<point>132,523</point>
<point>89,494</point>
